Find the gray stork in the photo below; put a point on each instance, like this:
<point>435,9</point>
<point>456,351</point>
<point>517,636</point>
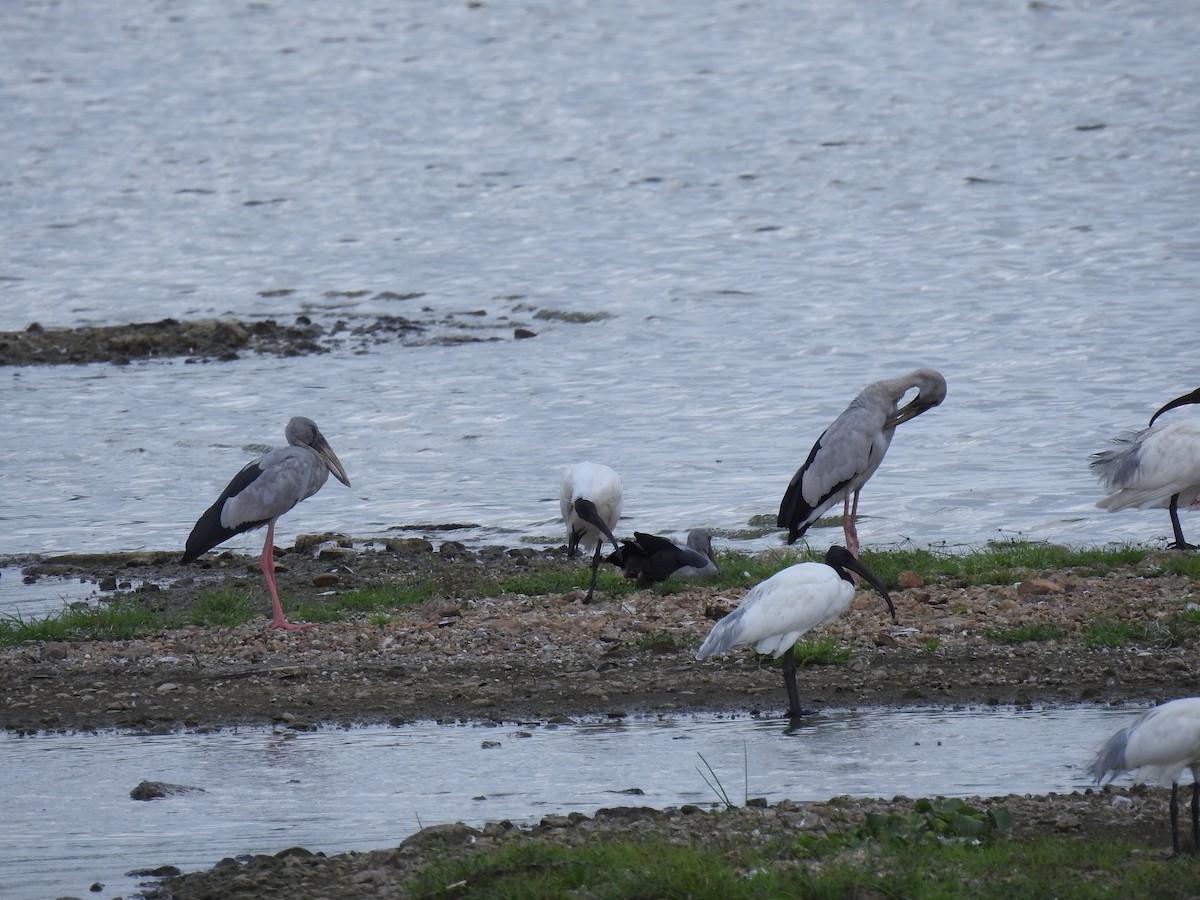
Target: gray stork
<point>263,491</point>
<point>590,503</point>
<point>649,557</point>
<point>1159,744</point>
<point>851,449</point>
<point>774,613</point>
<point>1156,467</point>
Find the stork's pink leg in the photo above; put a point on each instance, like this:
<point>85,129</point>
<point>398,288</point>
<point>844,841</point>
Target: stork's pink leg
<point>849,517</point>
<point>266,562</point>
<point>853,548</point>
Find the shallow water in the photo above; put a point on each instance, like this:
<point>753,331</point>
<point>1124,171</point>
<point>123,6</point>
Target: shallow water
<point>71,822</point>
<point>775,206</point>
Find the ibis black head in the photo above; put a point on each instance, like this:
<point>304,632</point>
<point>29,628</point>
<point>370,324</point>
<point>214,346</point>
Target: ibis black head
<point>843,562</point>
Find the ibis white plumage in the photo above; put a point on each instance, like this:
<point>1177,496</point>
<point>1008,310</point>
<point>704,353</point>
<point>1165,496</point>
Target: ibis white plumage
<point>1156,467</point>
<point>263,491</point>
<point>590,503</point>
<point>650,557</point>
<point>849,451</point>
<point>1159,745</point>
<point>776,612</point>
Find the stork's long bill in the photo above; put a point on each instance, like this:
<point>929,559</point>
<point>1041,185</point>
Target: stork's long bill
<point>321,447</point>
<point>911,410</point>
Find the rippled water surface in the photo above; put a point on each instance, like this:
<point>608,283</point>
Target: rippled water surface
<point>71,822</point>
<point>774,205</point>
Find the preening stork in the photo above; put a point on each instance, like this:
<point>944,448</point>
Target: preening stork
<point>590,503</point>
<point>263,491</point>
<point>775,612</point>
<point>1156,467</point>
<point>851,449</point>
<point>1159,744</point>
<point>650,558</point>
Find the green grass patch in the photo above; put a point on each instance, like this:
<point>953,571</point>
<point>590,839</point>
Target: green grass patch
<point>112,622</point>
<point>940,849</point>
<point>1020,634</point>
<point>374,597</point>
<point>1123,633</point>
<point>221,607</point>
<point>822,651</point>
<point>1002,562</point>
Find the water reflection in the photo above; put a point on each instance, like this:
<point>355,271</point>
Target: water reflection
<point>71,822</point>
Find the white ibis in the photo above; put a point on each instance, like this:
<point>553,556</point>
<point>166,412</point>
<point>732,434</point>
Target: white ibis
<point>775,612</point>
<point>851,449</point>
<point>1159,744</point>
<point>649,557</point>
<point>590,502</point>
<point>1156,467</point>
<point>263,491</point>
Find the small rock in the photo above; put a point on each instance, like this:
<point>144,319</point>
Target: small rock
<point>156,790</point>
<point>325,579</point>
<point>909,579</point>
<point>409,545</point>
<point>455,833</point>
<point>307,543</point>
<point>1031,587</point>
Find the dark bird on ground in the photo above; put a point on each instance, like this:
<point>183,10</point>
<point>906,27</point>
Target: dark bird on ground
<point>649,557</point>
<point>590,503</point>
<point>775,612</point>
<point>263,491</point>
<point>1154,468</point>
<point>1159,744</point>
<point>851,449</point>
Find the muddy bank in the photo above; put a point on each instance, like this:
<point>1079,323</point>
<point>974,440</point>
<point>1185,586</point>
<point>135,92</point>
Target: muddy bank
<point>207,340</point>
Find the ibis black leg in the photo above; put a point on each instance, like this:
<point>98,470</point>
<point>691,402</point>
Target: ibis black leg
<point>595,569</point>
<point>789,680</point>
<point>1175,819</point>
<point>1180,543</point>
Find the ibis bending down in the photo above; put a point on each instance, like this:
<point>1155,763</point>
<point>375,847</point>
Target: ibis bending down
<point>263,491</point>
<point>851,449</point>
<point>590,502</point>
<point>775,612</point>
<point>649,557</point>
<point>1156,467</point>
<point>1159,744</point>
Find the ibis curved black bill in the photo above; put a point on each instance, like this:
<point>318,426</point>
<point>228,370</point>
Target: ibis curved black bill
<point>842,560</point>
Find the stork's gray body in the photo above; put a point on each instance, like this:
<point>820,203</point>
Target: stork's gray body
<point>847,454</point>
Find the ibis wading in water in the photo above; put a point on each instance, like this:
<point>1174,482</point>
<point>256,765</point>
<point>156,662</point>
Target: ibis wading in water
<point>1156,467</point>
<point>650,558</point>
<point>263,491</point>
<point>775,612</point>
<point>851,449</point>
<point>590,503</point>
<point>1159,744</point>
